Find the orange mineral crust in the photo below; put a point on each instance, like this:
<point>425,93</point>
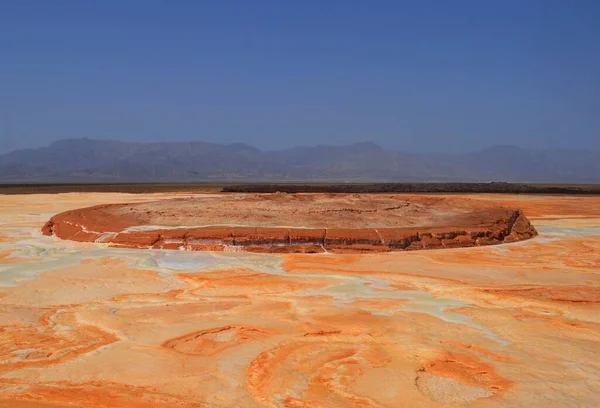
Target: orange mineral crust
<point>86,324</point>
<point>283,223</point>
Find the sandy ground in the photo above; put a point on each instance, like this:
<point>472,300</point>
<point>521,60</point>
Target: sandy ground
<point>86,325</point>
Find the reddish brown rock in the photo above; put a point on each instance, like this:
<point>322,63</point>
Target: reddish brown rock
<point>48,228</point>
<point>351,237</point>
<point>260,236</point>
<point>206,236</point>
<point>301,236</point>
<point>136,239</point>
<point>428,242</point>
<point>290,223</point>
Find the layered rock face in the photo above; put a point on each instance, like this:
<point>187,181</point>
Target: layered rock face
<point>283,223</point>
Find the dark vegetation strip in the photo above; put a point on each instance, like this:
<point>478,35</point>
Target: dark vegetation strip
<point>495,187</point>
<point>139,188</point>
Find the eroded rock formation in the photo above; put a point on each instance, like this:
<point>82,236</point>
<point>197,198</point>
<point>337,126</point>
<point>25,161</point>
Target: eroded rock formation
<point>283,223</point>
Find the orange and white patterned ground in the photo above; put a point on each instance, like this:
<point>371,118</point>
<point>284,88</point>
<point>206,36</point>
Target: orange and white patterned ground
<point>85,325</point>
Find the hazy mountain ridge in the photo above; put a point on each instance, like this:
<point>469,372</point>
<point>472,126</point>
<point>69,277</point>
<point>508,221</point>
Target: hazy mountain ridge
<point>87,160</point>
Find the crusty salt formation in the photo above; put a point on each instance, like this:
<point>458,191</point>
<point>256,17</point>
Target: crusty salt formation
<point>296,223</point>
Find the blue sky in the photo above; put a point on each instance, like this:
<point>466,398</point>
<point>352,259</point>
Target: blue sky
<point>428,76</point>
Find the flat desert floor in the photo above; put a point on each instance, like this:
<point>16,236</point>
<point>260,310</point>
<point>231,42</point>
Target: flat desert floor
<point>87,325</point>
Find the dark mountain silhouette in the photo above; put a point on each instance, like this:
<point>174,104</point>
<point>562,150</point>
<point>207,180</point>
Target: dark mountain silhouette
<point>86,160</point>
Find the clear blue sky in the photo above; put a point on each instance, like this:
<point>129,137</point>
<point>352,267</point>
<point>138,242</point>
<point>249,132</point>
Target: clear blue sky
<point>410,75</point>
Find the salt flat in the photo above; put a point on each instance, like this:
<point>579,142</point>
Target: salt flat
<point>88,325</point>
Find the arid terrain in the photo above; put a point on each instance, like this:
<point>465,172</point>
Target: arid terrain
<point>296,223</point>
<point>86,324</point>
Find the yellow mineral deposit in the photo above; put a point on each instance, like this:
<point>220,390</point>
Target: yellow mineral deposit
<point>94,324</point>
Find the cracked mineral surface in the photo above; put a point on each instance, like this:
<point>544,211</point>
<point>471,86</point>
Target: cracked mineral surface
<point>88,321</point>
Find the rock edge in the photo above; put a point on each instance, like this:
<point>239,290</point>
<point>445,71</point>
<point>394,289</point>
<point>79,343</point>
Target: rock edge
<point>79,225</point>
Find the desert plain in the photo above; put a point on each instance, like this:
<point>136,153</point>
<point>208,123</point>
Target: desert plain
<point>92,324</point>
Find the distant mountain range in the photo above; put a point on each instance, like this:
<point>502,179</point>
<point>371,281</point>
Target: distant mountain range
<point>86,160</point>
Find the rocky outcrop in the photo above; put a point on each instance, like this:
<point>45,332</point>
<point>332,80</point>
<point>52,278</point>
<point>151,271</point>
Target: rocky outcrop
<point>113,225</point>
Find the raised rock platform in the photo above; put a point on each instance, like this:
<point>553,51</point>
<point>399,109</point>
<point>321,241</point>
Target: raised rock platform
<point>296,223</point>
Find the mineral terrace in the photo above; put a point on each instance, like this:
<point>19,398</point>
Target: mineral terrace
<point>296,223</point>
<point>92,324</point>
